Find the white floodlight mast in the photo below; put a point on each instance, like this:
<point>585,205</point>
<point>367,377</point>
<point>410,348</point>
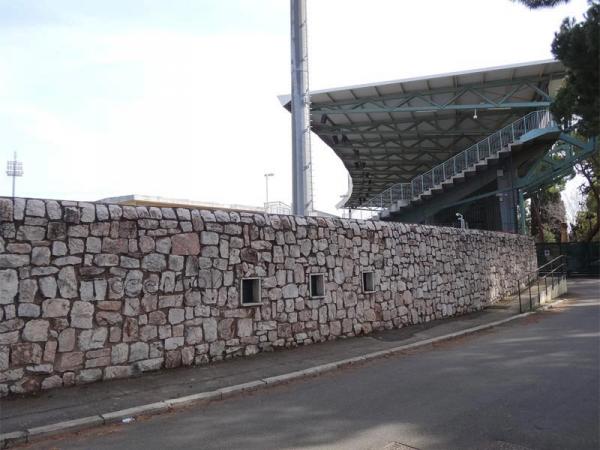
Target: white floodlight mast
<point>14,169</point>
<point>302,192</point>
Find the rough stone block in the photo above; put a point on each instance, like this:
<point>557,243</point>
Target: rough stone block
<point>148,365</point>
<point>210,330</point>
<point>36,331</point>
<point>173,343</point>
<point>172,359</point>
<point>193,335</point>
<point>26,353</point>
<point>114,372</point>
<point>6,210</point>
<point>31,233</point>
<point>188,243</point>
<point>13,260</point>
<point>66,340</point>
<point>108,318</point>
<point>163,245</point>
<point>48,286</point>
<point>92,339</point>
<point>82,314</point>
<point>35,208</point>
<point>106,260</point>
<point>51,382</point>
<point>138,351</point>
<point>27,291</point>
<point>9,286</point>
<point>67,282</point>
<point>40,368</point>
<point>154,262</point>
<point>244,327</point>
<point>55,307</point>
<point>119,354</point>
<point>117,246</point>
<point>68,361</point>
<point>50,351</point>
<point>88,212</point>
<point>89,375</point>
<point>176,315</point>
<point>4,360</point>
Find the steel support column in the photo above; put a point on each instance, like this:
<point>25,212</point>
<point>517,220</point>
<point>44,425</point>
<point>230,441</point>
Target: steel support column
<point>301,157</point>
<point>522,221</point>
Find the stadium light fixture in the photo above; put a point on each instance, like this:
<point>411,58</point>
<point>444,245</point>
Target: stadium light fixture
<point>14,169</point>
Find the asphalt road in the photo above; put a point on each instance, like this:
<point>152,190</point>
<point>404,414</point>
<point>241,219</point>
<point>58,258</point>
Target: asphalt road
<point>532,384</point>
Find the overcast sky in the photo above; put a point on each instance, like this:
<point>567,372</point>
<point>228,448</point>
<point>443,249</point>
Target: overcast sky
<point>178,98</point>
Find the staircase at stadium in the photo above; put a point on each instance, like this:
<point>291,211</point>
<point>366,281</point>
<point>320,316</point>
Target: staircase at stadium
<point>400,198</point>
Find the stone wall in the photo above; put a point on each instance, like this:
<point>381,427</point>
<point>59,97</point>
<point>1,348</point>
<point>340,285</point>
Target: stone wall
<point>95,291</point>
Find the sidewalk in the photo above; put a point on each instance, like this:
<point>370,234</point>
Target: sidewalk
<point>51,407</point>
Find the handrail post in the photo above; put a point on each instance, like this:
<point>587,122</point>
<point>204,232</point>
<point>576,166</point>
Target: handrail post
<point>530,302</point>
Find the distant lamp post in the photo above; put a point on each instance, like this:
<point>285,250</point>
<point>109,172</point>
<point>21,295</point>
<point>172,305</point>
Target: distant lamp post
<point>267,175</point>
<point>14,169</point>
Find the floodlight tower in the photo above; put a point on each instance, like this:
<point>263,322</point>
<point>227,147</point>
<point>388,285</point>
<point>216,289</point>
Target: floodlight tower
<point>302,192</point>
<point>14,169</point>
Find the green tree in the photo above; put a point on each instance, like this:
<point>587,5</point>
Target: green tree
<point>577,103</point>
<point>577,46</point>
<point>587,223</point>
<point>547,213</point>
<point>535,4</point>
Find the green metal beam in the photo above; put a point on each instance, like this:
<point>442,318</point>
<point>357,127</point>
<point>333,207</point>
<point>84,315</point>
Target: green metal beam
<point>585,145</point>
<point>408,123</point>
<point>332,110</point>
<point>403,135</point>
<point>548,169</point>
<point>453,93</point>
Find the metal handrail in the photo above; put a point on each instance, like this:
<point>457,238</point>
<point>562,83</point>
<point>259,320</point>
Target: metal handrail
<point>462,161</point>
<point>549,262</point>
<point>538,275</point>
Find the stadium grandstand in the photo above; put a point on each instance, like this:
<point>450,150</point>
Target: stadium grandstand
<point>426,149</point>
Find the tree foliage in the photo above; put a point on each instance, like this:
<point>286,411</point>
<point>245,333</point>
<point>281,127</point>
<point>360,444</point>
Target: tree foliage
<point>547,213</point>
<point>587,223</point>
<point>535,4</point>
<point>577,107</point>
<point>576,45</point>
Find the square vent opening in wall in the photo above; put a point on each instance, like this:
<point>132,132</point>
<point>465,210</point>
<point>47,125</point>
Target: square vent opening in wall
<point>368,282</point>
<point>317,285</point>
<point>250,291</point>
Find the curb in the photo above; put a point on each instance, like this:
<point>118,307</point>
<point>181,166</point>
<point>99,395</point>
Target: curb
<point>38,433</point>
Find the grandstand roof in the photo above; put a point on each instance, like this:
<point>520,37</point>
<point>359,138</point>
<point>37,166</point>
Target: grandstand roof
<point>389,132</point>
